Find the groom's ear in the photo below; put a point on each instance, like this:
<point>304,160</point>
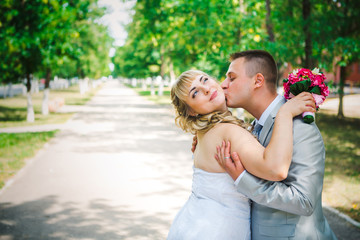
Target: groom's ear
<point>259,80</point>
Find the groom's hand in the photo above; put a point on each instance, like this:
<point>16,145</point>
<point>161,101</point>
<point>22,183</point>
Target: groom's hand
<point>194,143</point>
<point>230,162</point>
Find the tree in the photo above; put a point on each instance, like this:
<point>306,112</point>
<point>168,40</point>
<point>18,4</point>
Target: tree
<point>338,37</point>
<point>10,65</point>
<point>28,25</point>
<point>54,39</point>
<point>179,35</point>
<point>42,37</point>
<point>306,10</point>
<point>201,34</point>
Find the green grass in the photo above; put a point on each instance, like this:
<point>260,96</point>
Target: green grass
<point>15,148</point>
<point>13,110</point>
<point>162,100</point>
<point>342,167</point>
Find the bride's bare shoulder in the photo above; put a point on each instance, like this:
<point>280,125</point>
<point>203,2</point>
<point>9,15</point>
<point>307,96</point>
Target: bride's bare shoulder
<point>228,128</point>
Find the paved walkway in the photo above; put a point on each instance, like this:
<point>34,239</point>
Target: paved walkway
<point>351,105</point>
<point>120,169</point>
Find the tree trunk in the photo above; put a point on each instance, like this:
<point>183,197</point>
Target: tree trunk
<point>242,6</point>
<point>162,74</point>
<point>152,89</point>
<point>143,84</point>
<point>4,92</point>
<point>341,91</point>
<point>45,102</point>
<point>308,42</point>
<point>161,87</point>
<point>269,26</point>
<point>270,32</point>
<point>134,82</point>
<point>238,32</point>
<point>84,85</point>
<point>172,73</point>
<point>30,109</point>
<point>36,86</point>
<point>11,93</point>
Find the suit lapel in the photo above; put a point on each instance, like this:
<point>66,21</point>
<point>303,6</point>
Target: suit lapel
<point>269,123</point>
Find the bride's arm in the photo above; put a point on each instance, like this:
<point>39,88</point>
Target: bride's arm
<point>270,163</point>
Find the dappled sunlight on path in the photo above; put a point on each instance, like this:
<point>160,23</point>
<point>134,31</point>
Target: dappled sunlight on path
<point>47,218</point>
<point>119,169</point>
<point>351,106</point>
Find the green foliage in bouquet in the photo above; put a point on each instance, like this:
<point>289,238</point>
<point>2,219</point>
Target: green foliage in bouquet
<point>304,86</point>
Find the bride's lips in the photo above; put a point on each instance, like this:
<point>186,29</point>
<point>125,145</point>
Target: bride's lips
<point>213,95</point>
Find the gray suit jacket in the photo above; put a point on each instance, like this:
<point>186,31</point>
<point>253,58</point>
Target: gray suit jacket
<point>290,209</point>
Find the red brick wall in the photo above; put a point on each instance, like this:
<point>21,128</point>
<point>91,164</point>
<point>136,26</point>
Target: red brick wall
<point>353,74</point>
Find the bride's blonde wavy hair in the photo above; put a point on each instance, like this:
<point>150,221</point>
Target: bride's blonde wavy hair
<point>199,123</point>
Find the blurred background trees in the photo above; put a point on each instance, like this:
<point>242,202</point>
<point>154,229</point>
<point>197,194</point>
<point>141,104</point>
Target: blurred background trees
<point>46,38</point>
<point>202,34</point>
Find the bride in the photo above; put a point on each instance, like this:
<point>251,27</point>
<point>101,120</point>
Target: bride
<point>215,210</point>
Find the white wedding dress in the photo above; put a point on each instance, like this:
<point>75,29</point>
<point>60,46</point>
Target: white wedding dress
<point>215,210</point>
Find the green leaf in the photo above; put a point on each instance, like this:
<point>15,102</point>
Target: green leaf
<point>298,87</point>
<point>316,90</point>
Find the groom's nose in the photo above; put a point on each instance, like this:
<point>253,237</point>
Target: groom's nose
<point>225,83</point>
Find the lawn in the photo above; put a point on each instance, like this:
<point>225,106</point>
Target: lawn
<point>15,148</point>
<point>13,110</point>
<point>162,100</point>
<point>342,167</point>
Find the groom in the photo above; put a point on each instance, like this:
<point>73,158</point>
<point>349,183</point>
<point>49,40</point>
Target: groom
<point>290,209</point>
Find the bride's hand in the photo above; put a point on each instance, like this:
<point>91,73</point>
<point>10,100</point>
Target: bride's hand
<point>303,102</point>
<point>230,162</point>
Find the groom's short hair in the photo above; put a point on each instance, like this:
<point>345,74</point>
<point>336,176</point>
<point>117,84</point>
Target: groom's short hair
<point>259,61</point>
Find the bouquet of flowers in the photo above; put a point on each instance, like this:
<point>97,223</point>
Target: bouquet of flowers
<point>305,80</point>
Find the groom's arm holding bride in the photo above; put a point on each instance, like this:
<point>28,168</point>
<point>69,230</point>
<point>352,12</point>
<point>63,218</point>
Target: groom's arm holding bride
<point>300,191</point>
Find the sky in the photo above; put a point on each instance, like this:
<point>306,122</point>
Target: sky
<point>117,15</point>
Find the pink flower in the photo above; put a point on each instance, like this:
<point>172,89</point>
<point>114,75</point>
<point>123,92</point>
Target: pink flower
<point>316,78</point>
<point>325,91</point>
<point>319,99</point>
<point>286,89</point>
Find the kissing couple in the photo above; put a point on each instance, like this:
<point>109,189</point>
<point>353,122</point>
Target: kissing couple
<point>259,181</point>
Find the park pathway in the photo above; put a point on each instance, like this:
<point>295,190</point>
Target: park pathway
<point>119,169</point>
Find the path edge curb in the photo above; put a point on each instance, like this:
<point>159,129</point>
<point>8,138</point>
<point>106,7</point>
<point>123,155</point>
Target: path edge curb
<point>342,215</point>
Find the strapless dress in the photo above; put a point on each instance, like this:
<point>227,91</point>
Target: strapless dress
<point>214,210</point>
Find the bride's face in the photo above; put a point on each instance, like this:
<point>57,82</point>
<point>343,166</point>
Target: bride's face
<point>205,96</point>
